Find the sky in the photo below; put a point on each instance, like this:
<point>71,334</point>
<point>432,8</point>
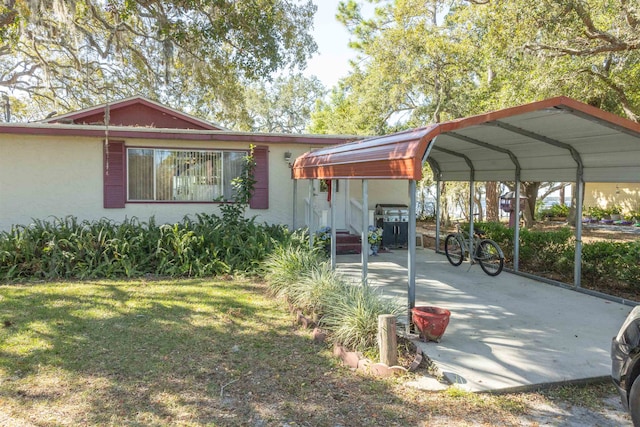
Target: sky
<point>331,62</point>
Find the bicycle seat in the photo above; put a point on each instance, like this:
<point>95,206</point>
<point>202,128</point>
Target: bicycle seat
<point>479,232</point>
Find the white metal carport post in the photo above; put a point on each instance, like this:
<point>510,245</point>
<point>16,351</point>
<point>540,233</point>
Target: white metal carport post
<point>516,230</point>
<point>310,214</point>
<point>365,231</point>
<point>411,262</point>
<point>333,224</point>
<point>295,204</point>
<point>577,273</point>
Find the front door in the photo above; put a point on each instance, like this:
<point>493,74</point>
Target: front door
<point>339,203</point>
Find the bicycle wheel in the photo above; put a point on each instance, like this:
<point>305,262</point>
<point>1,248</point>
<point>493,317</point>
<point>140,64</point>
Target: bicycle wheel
<point>490,257</point>
<point>453,249</point>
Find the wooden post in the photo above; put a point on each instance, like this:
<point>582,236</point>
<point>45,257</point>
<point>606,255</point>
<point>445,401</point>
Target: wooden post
<point>387,339</point>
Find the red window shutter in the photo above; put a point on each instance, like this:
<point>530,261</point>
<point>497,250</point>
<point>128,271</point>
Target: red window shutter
<point>114,174</point>
<point>260,197</point>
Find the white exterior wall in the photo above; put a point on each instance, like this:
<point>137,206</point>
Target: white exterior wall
<point>43,177</point>
<point>384,191</point>
<point>608,194</point>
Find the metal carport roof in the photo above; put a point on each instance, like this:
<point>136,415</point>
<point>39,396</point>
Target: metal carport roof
<point>558,139</point>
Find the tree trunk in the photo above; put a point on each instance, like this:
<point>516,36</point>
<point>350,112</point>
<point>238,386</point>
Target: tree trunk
<point>530,191</point>
<point>477,198</point>
<point>571,218</point>
<point>493,213</point>
<point>445,220</point>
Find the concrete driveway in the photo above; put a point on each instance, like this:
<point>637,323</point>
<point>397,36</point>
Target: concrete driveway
<point>506,333</point>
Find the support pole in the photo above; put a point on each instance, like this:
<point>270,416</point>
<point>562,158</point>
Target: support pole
<point>411,262</point>
<point>387,339</point>
<point>438,213</point>
<point>310,215</point>
<point>295,204</point>
<point>516,230</point>
<point>577,274</point>
<point>471,203</point>
<point>333,224</point>
<point>365,231</point>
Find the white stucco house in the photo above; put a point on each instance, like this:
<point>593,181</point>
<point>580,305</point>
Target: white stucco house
<point>151,160</point>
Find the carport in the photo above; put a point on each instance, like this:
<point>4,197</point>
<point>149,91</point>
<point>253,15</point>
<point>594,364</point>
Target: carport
<point>558,139</point>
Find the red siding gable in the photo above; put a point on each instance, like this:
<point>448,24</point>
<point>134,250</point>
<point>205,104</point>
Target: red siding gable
<point>135,112</point>
<point>138,115</point>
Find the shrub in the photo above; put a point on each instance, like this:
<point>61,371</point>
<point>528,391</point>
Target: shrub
<point>540,250</point>
<point>68,248</point>
<point>286,265</point>
<point>299,275</point>
<point>614,260</point>
<point>352,317</point>
<point>555,210</point>
<point>315,291</point>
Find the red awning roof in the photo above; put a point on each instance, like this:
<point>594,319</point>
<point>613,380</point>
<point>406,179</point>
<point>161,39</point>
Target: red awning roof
<point>396,156</point>
<point>551,140</point>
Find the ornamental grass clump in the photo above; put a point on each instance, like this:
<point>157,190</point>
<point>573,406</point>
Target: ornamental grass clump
<point>314,291</point>
<point>352,317</point>
<point>348,312</point>
<point>286,265</point>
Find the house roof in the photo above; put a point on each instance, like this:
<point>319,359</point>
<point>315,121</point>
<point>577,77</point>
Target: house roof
<point>134,111</point>
<point>124,132</point>
<point>552,140</point>
<point>141,118</point>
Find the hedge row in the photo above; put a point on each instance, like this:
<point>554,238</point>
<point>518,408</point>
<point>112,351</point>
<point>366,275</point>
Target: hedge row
<point>615,264</point>
<point>67,248</point>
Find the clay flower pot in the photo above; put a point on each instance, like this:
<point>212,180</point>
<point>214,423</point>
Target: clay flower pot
<point>430,321</point>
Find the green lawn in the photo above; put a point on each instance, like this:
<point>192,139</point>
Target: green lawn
<point>194,353</point>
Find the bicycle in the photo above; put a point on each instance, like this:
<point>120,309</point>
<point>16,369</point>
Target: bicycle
<point>485,251</point>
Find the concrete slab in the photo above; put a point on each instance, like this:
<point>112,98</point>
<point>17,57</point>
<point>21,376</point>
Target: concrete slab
<point>507,332</point>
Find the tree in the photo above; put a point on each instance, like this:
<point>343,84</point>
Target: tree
<point>66,55</point>
<point>426,61</point>
<point>283,106</point>
<point>587,49</point>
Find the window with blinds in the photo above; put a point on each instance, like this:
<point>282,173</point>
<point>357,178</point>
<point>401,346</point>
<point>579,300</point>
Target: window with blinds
<point>177,175</point>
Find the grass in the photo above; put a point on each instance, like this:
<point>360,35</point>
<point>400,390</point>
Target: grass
<point>197,353</point>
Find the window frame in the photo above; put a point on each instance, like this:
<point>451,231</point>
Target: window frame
<point>222,151</point>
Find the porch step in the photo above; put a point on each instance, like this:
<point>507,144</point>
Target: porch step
<point>347,243</point>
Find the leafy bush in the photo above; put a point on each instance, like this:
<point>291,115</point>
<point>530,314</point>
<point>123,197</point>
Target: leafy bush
<point>555,210</point>
<point>554,252</point>
<point>207,246</point>
<point>540,250</point>
<point>499,233</point>
<point>68,248</point>
<point>613,260</point>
